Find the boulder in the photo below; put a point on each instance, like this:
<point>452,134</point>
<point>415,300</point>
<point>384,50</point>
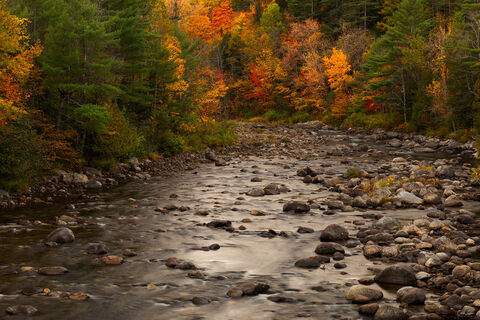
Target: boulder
<point>387,312</point>
<point>400,275</point>
<point>357,292</point>
<point>411,295</point>
<point>296,206</point>
<point>409,198</point>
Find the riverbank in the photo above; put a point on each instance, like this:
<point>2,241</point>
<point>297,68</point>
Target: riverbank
<point>281,139</point>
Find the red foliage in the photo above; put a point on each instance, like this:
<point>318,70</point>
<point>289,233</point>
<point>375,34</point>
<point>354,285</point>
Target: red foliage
<point>370,105</point>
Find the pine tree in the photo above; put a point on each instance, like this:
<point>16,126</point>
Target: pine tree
<point>392,66</point>
<point>363,14</point>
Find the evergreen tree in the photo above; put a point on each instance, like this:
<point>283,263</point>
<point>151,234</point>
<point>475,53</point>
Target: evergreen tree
<point>392,67</point>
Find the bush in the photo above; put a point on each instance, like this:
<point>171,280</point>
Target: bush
<point>22,154</point>
<point>273,115</point>
<point>212,134</point>
<point>300,117</point>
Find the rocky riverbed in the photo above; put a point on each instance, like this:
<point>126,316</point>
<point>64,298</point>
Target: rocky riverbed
<point>299,221</point>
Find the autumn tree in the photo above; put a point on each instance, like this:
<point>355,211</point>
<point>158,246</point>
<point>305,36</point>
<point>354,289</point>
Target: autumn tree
<point>16,64</point>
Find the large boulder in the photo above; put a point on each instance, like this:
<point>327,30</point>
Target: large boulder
<point>334,233</point>
<point>61,235</point>
<point>400,275</point>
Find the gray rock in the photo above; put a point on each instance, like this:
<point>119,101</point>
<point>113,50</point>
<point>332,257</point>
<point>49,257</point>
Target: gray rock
<point>210,155</point>
<point>176,263</point>
<point>432,198</point>
<point>334,233</point>
<point>94,185</point>
<point>256,192</point>
<point>61,235</point>
<point>21,309</point>
<point>275,188</point>
<point>97,248</point>
<point>400,275</point>
<point>453,201</point>
<point>248,289</point>
<point>409,198</point>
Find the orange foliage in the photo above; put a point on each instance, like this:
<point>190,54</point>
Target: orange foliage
<point>222,18</point>
<point>199,26</point>
<point>16,65</point>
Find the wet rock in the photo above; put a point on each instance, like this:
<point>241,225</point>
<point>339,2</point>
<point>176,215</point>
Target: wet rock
<point>21,309</point>
<point>97,248</point>
<point>333,233</point>
<point>281,299</point>
<point>79,296</point>
<point>411,295</point>
<point>214,246</point>
<point>329,248</point>
<point>256,192</point>
<point>467,312</point>
<point>275,188</point>
<point>219,224</point>
<point>359,292</point>
<point>196,274</point>
<point>296,206</point>
<point>248,289</point>
<point>112,260</point>
<point>387,312</point>
<point>369,309</point>
<point>313,262</point>
<point>176,263</point>
<point>340,265</point>
<point>335,204</point>
<point>199,301</point>
<point>305,230</point>
<point>61,235</point>
<point>386,222</point>
<point>129,253</point>
<point>93,185</point>
<point>307,171</point>
<point>30,291</point>
<point>400,275</point>
<point>409,198</point>
<point>52,271</point>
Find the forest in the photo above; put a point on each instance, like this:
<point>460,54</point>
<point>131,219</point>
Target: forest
<point>86,82</point>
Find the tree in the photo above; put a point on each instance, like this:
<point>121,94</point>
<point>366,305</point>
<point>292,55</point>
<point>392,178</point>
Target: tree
<point>272,19</point>
<point>222,18</point>
<point>16,65</point>
<point>391,67</point>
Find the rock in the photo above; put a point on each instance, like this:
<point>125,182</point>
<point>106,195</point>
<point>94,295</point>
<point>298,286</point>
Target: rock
<point>61,235</point>
<point>129,253</point>
<point>409,198</point>
<point>335,204</point>
<point>462,273</point>
<point>93,185</point>
<point>78,178</point>
<point>305,230</point>
<point>21,309</point>
<point>411,295</point>
<point>176,263</point>
<point>370,293</point>
<point>313,262</point>
<point>219,224</point>
<point>370,308</point>
<point>359,202</point>
<point>387,222</point>
<point>329,248</point>
<point>432,198</point>
<point>281,299</point>
<point>467,312</point>
<point>248,289</point>
<point>307,171</point>
<point>210,155</point>
<point>79,296</point>
<point>334,232</point>
<point>387,312</point>
<point>112,260</point>
<point>275,188</point>
<point>220,162</point>
<point>400,275</point>
<point>97,248</point>
<point>453,201</point>
<point>199,301</point>
<point>296,206</point>
<point>256,192</point>
<point>445,172</point>
<point>340,265</point>
<point>52,271</point>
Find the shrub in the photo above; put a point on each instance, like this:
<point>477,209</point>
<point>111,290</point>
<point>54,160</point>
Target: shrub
<point>22,154</point>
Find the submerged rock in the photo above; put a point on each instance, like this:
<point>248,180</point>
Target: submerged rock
<point>61,235</point>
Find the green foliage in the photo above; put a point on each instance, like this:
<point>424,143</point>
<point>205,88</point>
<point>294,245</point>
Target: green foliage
<point>272,19</point>
<point>354,173</point>
<point>22,155</point>
<point>211,136</point>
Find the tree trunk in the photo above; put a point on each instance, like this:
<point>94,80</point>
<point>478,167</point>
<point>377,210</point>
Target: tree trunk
<point>404,99</point>
<point>60,112</point>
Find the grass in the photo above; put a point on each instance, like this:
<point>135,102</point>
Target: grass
<point>354,173</point>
